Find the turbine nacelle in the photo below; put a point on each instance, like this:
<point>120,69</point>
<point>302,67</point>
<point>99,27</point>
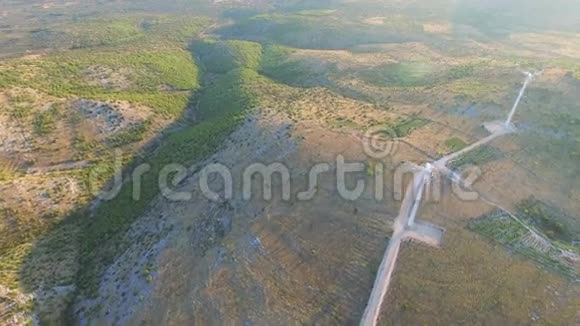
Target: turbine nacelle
<point>530,74</point>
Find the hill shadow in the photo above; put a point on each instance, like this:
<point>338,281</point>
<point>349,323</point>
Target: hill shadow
<point>67,261</point>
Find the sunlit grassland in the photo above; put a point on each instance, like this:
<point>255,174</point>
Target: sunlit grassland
<point>476,90</point>
<point>151,51</point>
<point>65,75</point>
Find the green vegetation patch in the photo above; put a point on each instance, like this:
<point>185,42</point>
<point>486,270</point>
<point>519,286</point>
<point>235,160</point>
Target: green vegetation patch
<point>148,72</point>
<point>146,67</point>
<point>498,226</point>
<point>476,90</point>
<point>277,64</point>
<point>273,55</point>
<point>45,122</point>
<point>87,149</point>
<point>552,221</point>
<point>401,127</point>
<point>54,262</point>
<point>170,104</point>
<point>21,111</point>
<point>133,134</point>
<point>565,120</point>
<point>175,28</point>
<point>229,93</point>
<point>15,245</point>
<point>342,122</point>
<point>105,32</point>
<point>461,71</point>
<point>455,144</point>
<point>223,56</point>
<point>405,74</point>
<point>121,30</point>
<point>404,127</point>
<point>479,156</point>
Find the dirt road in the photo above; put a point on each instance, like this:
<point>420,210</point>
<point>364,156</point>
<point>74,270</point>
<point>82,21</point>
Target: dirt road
<point>405,226</point>
<point>387,266</point>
